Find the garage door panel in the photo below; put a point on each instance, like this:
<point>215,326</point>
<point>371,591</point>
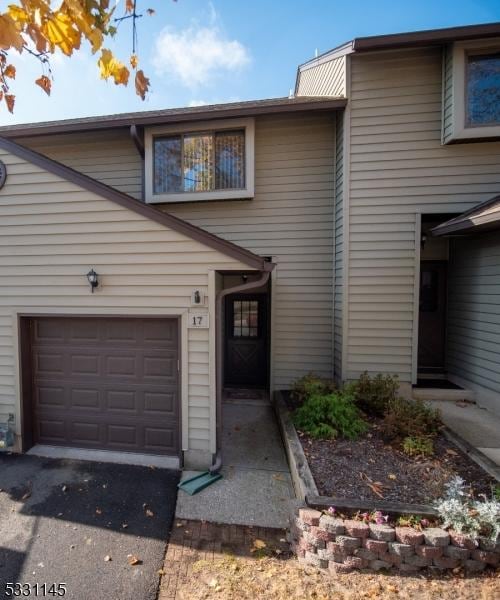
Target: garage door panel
<point>124,365</point>
<point>85,364</point>
<point>160,402</point>
<point>125,400</point>
<point>51,430</point>
<point>157,439</point>
<point>106,383</point>
<point>84,433</point>
<point>163,335</point>
<point>51,396</point>
<point>159,367</point>
<point>84,398</point>
<point>83,331</point>
<point>123,435</point>
<point>49,364</point>
<point>48,330</point>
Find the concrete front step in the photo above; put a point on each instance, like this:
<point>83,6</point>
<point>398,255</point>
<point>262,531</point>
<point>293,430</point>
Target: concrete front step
<point>443,394</point>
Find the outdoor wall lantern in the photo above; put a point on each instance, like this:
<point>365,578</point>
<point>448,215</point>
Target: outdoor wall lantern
<point>93,279</point>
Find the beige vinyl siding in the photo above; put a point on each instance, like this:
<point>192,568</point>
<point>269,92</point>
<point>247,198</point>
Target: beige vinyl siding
<point>325,78</point>
<point>52,232</point>
<point>447,93</point>
<point>291,220</point>
<point>339,248</point>
<point>398,168</point>
<point>108,156</point>
<point>473,331</point>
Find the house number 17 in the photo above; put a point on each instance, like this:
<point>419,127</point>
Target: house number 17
<point>198,321</point>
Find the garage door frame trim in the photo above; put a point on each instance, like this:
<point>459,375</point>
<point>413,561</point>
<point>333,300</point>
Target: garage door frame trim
<point>26,373</point>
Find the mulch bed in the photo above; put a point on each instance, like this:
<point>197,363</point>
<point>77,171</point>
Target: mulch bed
<point>359,469</point>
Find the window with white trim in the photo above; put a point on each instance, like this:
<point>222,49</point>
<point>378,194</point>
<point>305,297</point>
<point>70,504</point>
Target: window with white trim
<point>201,162</point>
<point>471,98</point>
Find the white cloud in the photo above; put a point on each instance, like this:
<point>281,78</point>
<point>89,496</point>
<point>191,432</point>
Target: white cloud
<point>197,103</point>
<point>197,55</point>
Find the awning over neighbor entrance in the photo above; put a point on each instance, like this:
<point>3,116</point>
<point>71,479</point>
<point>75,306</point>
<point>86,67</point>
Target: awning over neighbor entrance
<point>483,217</point>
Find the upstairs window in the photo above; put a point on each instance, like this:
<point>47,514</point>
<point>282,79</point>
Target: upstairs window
<point>200,163</point>
<point>471,91</point>
<point>483,90</point>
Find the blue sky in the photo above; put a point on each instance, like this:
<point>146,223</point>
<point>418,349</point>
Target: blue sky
<point>207,51</point>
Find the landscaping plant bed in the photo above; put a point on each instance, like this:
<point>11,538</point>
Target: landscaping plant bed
<point>369,468</point>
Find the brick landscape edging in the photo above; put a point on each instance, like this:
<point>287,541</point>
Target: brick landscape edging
<point>343,545</point>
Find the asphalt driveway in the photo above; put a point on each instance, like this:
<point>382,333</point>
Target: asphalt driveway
<point>82,523</point>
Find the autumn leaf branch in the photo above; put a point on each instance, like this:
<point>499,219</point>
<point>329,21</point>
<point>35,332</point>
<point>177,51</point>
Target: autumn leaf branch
<point>34,26</point>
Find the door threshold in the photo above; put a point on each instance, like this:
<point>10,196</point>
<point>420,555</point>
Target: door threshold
<point>106,456</point>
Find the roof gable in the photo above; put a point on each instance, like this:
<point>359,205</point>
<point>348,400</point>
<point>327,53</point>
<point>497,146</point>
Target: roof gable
<point>225,247</point>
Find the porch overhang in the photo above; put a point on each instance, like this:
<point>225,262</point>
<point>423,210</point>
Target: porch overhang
<point>482,218</point>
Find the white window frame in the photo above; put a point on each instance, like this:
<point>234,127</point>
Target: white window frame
<point>248,124</point>
<point>460,53</point>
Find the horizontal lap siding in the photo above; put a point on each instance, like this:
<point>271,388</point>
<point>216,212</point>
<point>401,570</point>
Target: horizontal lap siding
<point>399,168</point>
<point>473,350</point>
<point>48,242</point>
<point>108,156</point>
<point>290,219</point>
<point>325,79</point>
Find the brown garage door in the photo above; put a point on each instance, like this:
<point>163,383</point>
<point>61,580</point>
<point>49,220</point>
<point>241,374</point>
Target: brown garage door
<point>107,383</point>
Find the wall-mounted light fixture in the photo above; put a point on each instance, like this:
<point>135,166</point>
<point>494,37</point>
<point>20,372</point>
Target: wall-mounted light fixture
<point>197,297</point>
<point>93,279</point>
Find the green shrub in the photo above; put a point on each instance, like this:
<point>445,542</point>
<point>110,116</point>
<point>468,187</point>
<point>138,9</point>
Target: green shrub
<point>374,394</point>
<point>418,446</point>
<point>409,418</point>
<point>329,416</point>
<point>310,385</point>
<point>496,492</point>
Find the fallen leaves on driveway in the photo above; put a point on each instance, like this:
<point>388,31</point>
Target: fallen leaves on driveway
<point>133,560</point>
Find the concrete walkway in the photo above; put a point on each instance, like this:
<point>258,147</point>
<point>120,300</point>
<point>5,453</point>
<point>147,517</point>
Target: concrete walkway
<point>477,426</point>
<point>256,488</point>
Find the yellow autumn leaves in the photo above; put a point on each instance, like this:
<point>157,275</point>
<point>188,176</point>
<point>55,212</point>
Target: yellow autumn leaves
<point>37,26</point>
<point>110,66</point>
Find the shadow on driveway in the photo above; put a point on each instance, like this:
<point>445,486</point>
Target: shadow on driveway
<point>60,520</point>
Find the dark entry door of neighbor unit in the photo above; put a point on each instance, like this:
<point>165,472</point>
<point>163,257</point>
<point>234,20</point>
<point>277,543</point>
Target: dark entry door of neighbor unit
<point>246,353</point>
<point>105,383</point>
<point>432,316</point>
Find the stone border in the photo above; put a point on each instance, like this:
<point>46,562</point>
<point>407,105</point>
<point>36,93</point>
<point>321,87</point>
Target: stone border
<point>303,481</point>
<point>343,545</point>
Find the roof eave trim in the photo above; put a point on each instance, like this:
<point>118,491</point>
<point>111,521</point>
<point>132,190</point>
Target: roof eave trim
<point>298,105</point>
<point>166,219</point>
<point>464,226</point>
<point>426,37</point>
